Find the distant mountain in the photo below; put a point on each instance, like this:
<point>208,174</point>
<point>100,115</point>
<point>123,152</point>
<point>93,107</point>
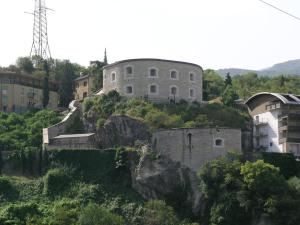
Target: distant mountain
<point>291,67</point>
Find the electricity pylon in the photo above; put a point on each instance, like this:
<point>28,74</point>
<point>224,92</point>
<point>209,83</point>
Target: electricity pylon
<point>40,49</point>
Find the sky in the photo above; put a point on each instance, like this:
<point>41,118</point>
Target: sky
<point>212,33</point>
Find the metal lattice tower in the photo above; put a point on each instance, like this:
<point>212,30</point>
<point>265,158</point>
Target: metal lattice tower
<point>40,46</point>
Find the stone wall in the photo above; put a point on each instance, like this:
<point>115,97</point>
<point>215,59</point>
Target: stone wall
<point>140,79</point>
<point>194,147</point>
<point>75,141</point>
<point>59,128</point>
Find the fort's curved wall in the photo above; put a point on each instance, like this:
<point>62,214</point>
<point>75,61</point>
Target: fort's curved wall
<point>137,78</point>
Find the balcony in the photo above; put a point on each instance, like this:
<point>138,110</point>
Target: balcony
<point>288,139</point>
<point>261,134</point>
<point>261,122</point>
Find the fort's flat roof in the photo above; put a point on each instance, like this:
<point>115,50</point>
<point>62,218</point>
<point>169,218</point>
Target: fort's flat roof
<point>151,59</point>
<point>74,135</point>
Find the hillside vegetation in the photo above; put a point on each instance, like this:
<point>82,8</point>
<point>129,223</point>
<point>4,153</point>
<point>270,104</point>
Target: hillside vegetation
<point>164,115</point>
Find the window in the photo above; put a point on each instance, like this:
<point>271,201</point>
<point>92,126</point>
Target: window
<point>153,72</point>
<point>113,77</point>
<point>153,89</point>
<point>192,77</point>
<point>85,83</point>
<point>128,71</point>
<point>219,142</point>
<point>84,94</point>
<point>4,99</point>
<point>173,91</point>
<point>173,75</point>
<point>192,93</point>
<point>129,89</point>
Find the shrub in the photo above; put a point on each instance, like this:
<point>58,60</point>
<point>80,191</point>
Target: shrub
<point>56,181</point>
<point>16,214</point>
<point>158,213</point>
<point>96,215</point>
<point>7,191</point>
<point>65,212</point>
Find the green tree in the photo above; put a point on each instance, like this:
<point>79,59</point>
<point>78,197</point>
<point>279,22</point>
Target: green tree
<point>158,213</point>
<point>66,84</point>
<point>25,64</point>
<point>228,80</point>
<point>229,95</point>
<point>46,85</point>
<point>96,215</point>
<point>213,85</point>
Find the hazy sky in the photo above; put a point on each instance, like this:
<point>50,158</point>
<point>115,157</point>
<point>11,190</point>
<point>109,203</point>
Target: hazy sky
<point>212,33</point>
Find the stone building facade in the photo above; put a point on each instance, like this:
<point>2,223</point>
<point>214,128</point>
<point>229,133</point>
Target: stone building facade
<point>194,147</point>
<point>18,92</point>
<point>154,79</point>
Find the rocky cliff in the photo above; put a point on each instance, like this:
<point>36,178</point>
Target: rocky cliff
<point>119,130</point>
<point>158,177</point>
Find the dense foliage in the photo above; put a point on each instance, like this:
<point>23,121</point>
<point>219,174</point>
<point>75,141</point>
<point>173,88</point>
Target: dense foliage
<point>18,132</point>
<point>164,115</point>
<point>66,196</point>
<point>245,85</point>
<point>246,193</point>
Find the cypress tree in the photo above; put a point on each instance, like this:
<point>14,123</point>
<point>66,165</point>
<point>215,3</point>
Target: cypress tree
<point>46,85</point>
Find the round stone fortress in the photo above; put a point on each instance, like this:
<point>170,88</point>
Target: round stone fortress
<point>154,79</point>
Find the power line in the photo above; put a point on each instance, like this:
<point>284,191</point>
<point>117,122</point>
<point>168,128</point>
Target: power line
<point>285,12</point>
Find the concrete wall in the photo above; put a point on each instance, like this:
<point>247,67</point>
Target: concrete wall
<point>58,129</point>
<point>140,79</point>
<point>268,132</point>
<point>195,147</point>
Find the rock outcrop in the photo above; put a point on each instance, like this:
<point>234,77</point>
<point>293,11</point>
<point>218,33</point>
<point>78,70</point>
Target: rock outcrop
<point>158,177</point>
<point>122,131</point>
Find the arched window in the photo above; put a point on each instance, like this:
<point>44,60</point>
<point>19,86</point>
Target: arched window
<point>189,136</point>
<point>153,89</point>
<point>128,72</point>
<point>192,93</point>
<point>192,77</point>
<point>153,72</point>
<point>174,74</point>
<point>113,76</point>
<point>174,91</point>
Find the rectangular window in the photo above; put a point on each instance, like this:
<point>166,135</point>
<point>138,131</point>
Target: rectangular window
<point>4,99</point>
<point>129,90</point>
<point>84,94</point>
<point>85,83</point>
<point>153,89</point>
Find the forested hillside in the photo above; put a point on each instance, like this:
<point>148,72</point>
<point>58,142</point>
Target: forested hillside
<point>291,67</point>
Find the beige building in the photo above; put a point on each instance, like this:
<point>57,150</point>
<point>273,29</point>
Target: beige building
<point>154,79</point>
<point>276,119</point>
<point>84,86</point>
<point>18,92</point>
<point>193,147</point>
